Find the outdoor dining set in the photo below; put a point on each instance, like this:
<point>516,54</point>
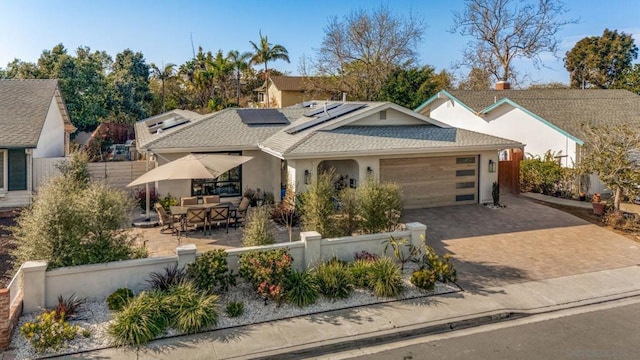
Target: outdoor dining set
<point>191,215</point>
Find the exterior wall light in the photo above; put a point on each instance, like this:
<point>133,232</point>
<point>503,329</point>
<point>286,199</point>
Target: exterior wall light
<point>307,177</point>
<point>369,171</point>
<point>492,166</point>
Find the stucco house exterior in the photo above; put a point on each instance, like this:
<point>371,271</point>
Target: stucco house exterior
<point>543,119</point>
<point>284,91</point>
<point>435,164</point>
<point>34,123</point>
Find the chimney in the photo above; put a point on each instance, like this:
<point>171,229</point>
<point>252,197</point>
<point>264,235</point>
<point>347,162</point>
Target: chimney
<point>503,85</point>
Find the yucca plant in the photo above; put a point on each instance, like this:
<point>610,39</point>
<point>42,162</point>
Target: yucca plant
<point>70,307</point>
<point>189,310</point>
<point>301,288</point>
<point>163,281</point>
<point>140,321</point>
<point>360,271</point>
<point>334,280</point>
<point>385,278</point>
<point>235,308</point>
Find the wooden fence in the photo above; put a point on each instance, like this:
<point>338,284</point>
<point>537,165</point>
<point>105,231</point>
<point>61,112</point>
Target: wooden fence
<point>509,172</point>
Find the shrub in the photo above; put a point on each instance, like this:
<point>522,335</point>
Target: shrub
<point>70,307</point>
<point>48,332</point>
<point>285,213</point>
<point>364,255</point>
<point>140,321</point>
<point>235,308</point>
<point>258,230</point>
<point>301,288</point>
<point>190,311</point>
<point>317,207</point>
<point>495,193</point>
<point>360,271</point>
<point>75,169</point>
<point>443,269</point>
<point>380,206</point>
<point>334,280</point>
<point>119,299</point>
<point>385,278</point>
<point>403,250</point>
<point>74,224</point>
<point>540,175</point>
<point>167,201</point>
<point>163,281</point>
<point>253,196</point>
<point>348,217</point>
<point>210,272</point>
<point>141,198</point>
<point>424,279</point>
<point>267,271</point>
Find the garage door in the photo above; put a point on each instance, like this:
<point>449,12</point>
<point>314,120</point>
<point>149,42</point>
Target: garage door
<point>429,182</point>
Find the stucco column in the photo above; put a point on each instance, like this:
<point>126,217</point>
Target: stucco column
<point>418,232</point>
<point>186,254</point>
<point>312,254</point>
<point>34,285</point>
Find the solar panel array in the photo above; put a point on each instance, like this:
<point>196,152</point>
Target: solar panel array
<point>340,110</point>
<point>162,123</point>
<point>262,117</point>
<point>320,110</point>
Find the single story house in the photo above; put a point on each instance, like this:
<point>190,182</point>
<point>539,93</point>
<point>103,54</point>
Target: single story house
<point>435,164</point>
<point>34,123</point>
<point>543,119</point>
<point>284,91</point>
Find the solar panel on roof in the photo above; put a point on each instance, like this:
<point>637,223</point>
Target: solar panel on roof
<point>262,117</point>
<point>321,109</point>
<point>164,124</point>
<point>342,109</point>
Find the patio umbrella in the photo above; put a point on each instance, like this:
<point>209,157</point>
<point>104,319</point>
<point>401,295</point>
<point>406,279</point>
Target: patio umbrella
<point>192,166</point>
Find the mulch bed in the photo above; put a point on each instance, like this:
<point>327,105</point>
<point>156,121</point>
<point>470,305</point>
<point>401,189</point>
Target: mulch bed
<point>7,244</point>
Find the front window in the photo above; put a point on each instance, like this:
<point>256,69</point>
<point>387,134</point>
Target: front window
<point>225,185</point>
<point>3,169</point>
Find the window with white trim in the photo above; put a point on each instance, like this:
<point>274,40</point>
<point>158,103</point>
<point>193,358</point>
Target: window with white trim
<point>3,170</point>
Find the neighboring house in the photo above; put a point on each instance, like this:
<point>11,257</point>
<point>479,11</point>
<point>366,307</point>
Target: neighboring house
<point>435,164</point>
<point>543,119</point>
<point>284,91</point>
<point>34,123</point>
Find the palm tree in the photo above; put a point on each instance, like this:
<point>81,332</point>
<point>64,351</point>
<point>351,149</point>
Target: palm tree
<point>264,52</point>
<point>240,62</point>
<point>166,73</point>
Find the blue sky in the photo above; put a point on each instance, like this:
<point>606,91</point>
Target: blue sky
<point>161,29</point>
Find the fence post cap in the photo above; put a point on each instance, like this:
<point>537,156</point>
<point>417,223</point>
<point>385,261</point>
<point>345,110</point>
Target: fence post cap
<point>416,226</point>
<point>310,235</point>
<point>186,249</point>
<point>31,266</point>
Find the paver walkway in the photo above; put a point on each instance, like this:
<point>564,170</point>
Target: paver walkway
<point>524,241</point>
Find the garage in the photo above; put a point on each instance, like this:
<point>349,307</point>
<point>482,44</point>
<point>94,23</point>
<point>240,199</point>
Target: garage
<point>434,181</point>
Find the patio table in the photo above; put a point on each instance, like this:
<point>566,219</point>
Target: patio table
<point>181,211</point>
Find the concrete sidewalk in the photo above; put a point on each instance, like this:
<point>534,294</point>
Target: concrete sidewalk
<point>314,335</point>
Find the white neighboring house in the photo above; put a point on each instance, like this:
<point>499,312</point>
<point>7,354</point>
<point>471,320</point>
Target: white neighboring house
<point>34,123</point>
<point>435,164</point>
<point>543,119</point>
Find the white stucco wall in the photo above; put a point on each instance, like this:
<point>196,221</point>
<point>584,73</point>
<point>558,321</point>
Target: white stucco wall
<point>51,141</point>
<point>509,123</point>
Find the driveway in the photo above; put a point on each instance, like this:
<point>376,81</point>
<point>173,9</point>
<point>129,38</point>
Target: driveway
<point>523,242</point>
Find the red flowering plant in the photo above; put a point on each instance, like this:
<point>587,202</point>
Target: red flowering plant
<point>267,272</point>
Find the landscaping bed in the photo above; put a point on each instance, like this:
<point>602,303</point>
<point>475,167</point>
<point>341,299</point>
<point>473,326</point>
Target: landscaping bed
<point>7,244</point>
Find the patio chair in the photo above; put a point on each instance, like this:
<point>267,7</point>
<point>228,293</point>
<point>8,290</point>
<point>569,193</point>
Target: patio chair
<point>166,221</point>
<point>241,212</point>
<point>211,199</point>
<point>219,215</point>
<point>194,219</point>
<point>190,200</point>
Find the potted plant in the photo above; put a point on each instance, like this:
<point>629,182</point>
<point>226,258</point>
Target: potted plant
<point>582,196</point>
<point>598,206</point>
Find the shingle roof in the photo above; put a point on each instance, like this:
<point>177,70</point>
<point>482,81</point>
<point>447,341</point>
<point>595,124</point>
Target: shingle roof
<point>24,105</point>
<point>567,109</point>
<point>288,83</point>
<point>223,129</point>
<point>401,137</point>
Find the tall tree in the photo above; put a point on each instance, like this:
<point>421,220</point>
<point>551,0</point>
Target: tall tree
<point>413,86</point>
<point>129,85</point>
<point>477,79</point>
<point>600,61</point>
<point>240,63</point>
<point>263,52</point>
<point>363,49</point>
<point>166,73</point>
<point>630,79</point>
<point>504,30</point>
<point>221,70</point>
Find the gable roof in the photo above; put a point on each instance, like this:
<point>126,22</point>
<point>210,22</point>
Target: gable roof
<point>222,130</point>
<point>288,83</point>
<point>565,110</point>
<point>24,105</point>
<point>340,136</point>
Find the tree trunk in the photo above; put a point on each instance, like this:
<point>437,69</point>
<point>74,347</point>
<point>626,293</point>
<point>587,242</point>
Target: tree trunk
<point>617,198</point>
<point>238,89</point>
<point>163,110</point>
<point>266,82</point>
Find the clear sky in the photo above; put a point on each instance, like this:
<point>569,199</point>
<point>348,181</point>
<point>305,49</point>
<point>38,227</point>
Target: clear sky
<point>162,29</point>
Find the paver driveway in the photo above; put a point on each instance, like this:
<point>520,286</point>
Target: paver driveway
<point>524,241</point>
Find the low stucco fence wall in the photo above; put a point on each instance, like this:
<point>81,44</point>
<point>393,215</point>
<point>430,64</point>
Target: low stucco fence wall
<point>41,288</point>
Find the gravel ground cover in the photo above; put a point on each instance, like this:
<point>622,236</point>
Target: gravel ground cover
<point>97,316</point>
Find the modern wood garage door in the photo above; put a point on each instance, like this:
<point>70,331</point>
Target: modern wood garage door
<point>434,181</point>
